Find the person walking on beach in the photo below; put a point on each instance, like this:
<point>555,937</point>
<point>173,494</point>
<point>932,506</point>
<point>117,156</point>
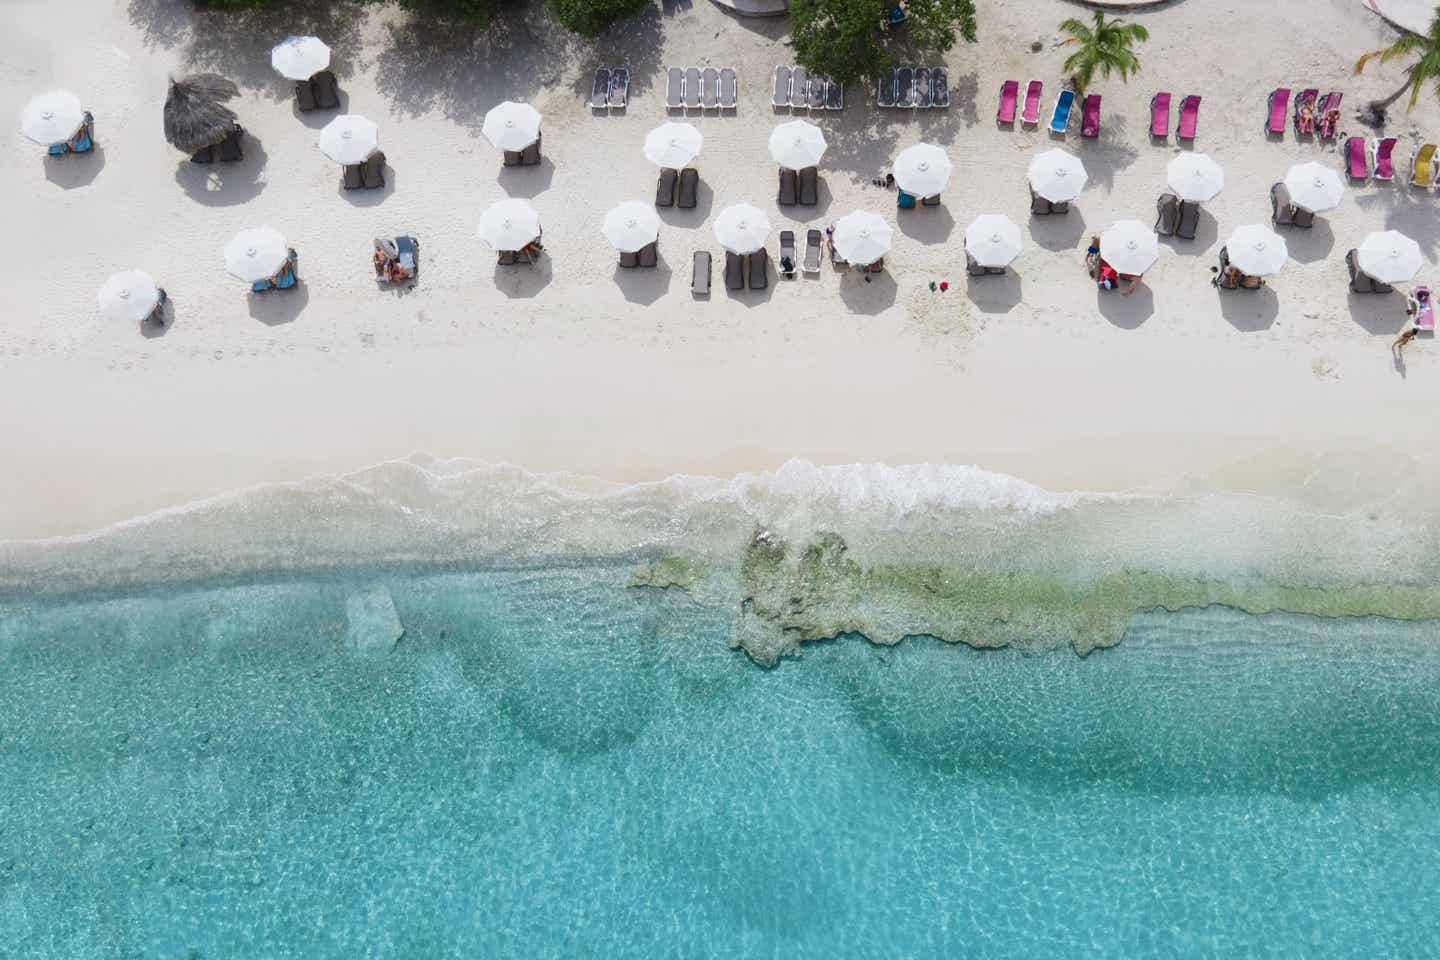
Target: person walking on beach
<point>1408,334</point>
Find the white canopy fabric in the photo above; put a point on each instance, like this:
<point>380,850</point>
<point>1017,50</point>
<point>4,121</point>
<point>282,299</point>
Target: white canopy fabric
<point>509,224</point>
<point>1130,247</point>
<point>631,225</point>
<point>1194,177</point>
<point>299,58</point>
<point>922,169</point>
<point>349,138</point>
<point>673,145</point>
<point>1256,250</point>
<point>1057,176</point>
<point>1314,186</point>
<point>993,240</point>
<point>512,126</point>
<point>862,237</point>
<point>256,254</point>
<point>52,117</point>
<point>128,297</point>
<point>742,228</point>
<point>1389,256</point>
<point>797,144</point>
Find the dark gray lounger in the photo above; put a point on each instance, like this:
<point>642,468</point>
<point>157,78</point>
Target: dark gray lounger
<point>759,270</point>
<point>700,274</point>
<point>689,187</point>
<point>788,188</point>
<point>809,187</point>
<point>665,189</point>
<point>734,271</point>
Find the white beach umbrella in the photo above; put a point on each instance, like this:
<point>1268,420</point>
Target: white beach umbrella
<point>1194,177</point>
<point>128,297</point>
<point>673,145</point>
<point>52,117</point>
<point>632,225</point>
<point>922,169</point>
<point>742,228</point>
<point>862,237</point>
<point>299,58</point>
<point>512,126</point>
<point>797,144</point>
<point>1389,256</point>
<point>1256,250</point>
<point>1130,247</point>
<point>993,240</point>
<point>509,224</point>
<point>349,138</point>
<point>256,254</point>
<point>1314,186</point>
<point>1057,176</point>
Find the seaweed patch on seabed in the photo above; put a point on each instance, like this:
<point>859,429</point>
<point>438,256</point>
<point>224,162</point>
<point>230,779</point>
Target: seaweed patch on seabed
<point>789,598</point>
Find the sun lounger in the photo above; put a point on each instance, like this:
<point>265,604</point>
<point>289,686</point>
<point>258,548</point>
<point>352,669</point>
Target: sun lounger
<point>710,88</point>
<point>689,188</point>
<point>787,253</point>
<point>305,96</point>
<point>903,200</point>
<point>734,271</point>
<point>1357,159</point>
<point>327,90</point>
<point>1424,307</point>
<point>1189,221</point>
<point>759,270</point>
<point>809,187</point>
<point>930,201</point>
<point>835,96</point>
<point>530,156</point>
<point>1039,206</point>
<point>204,155</point>
<point>1282,212</point>
<point>1031,111</point>
<point>1305,124</point>
<point>819,86</point>
<point>1160,115</point>
<point>1090,116</point>
<point>922,88</point>
<point>692,88</point>
<point>939,87</point>
<point>629,259</point>
<point>84,139</point>
<point>506,258</point>
<point>972,267</point>
<point>511,158</point>
<point>1324,124</point>
<point>600,90</point>
<point>799,88</point>
<point>885,89</point>
<point>1060,119</point>
<point>1422,168</point>
<point>674,88</point>
<point>1279,102</point>
<point>1167,214</point>
<point>229,148</point>
<point>813,241</point>
<point>1383,150</point>
<point>780,91</point>
<point>619,97</point>
<point>665,188</point>
<point>1009,94</point>
<point>904,87</point>
<point>1061,208</point>
<point>1189,117</point>
<point>372,171</point>
<point>408,249</point>
<point>789,188</point>
<point>1360,282</point>
<point>700,274</point>
<point>352,177</point>
<point>729,88</point>
<point>650,254</point>
<point>289,272</point>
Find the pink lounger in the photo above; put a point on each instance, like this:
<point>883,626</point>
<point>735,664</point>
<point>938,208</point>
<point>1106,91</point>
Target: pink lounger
<point>1279,102</point>
<point>1357,161</point>
<point>1424,308</point>
<point>1009,93</point>
<point>1189,116</point>
<point>1323,123</point>
<point>1302,124</point>
<point>1031,113</point>
<point>1090,116</point>
<point>1160,115</point>
<point>1384,162</point>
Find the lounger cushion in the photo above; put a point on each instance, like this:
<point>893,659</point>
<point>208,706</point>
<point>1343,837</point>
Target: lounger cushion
<point>372,171</point>
<point>327,90</point>
<point>689,188</point>
<point>734,271</point>
<point>700,272</point>
<point>759,270</point>
<point>809,187</point>
<point>788,188</point>
<point>353,178</point>
<point>665,189</point>
<point>305,96</point>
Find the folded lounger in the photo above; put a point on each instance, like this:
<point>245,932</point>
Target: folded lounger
<point>689,187</point>
<point>1279,101</point>
<point>734,271</point>
<point>813,241</point>
<point>1009,95</point>
<point>759,270</point>
<point>1422,172</point>
<point>1189,221</point>
<point>600,90</point>
<point>710,88</point>
<point>1357,162</point>
<point>789,188</point>
<point>1302,123</point>
<point>939,87</point>
<point>1090,116</point>
<point>649,254</point>
<point>305,96</point>
<point>787,253</point>
<point>819,92</point>
<point>835,98</point>
<point>1167,214</point>
<point>692,88</point>
<point>809,187</point>
<point>1060,119</point>
<point>922,88</point>
<point>1323,123</point>
<point>799,88</point>
<point>327,90</point>
<point>1031,111</point>
<point>885,89</point>
<point>729,88</point>
<point>665,188</point>
<point>1383,151</point>
<point>674,88</point>
<point>1189,117</point>
<point>700,274</point>
<point>619,97</point>
<point>780,92</point>
<point>1160,115</point>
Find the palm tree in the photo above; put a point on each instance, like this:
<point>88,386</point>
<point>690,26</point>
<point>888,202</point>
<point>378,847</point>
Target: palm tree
<point>1104,46</point>
<point>1416,75</point>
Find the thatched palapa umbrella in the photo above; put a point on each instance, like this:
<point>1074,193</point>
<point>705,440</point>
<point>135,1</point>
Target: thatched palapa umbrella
<point>195,114</point>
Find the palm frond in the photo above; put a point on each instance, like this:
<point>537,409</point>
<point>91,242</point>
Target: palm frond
<point>1078,31</point>
<point>1366,58</point>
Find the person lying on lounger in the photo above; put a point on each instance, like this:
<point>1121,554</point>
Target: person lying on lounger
<point>1307,113</point>
<point>382,262</point>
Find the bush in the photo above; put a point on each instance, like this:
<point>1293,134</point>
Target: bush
<point>590,18</point>
<point>842,39</point>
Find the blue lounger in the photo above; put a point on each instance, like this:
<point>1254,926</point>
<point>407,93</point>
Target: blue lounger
<point>1061,118</point>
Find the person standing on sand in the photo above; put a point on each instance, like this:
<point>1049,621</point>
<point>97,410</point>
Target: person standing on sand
<point>1408,334</point>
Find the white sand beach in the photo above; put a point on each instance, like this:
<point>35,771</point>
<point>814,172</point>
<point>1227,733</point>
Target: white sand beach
<point>574,365</point>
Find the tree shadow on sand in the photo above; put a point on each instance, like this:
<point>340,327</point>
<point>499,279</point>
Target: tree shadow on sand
<point>634,43</point>
<point>1108,154</point>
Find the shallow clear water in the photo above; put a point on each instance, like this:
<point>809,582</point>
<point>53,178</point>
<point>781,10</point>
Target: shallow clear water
<point>551,765</point>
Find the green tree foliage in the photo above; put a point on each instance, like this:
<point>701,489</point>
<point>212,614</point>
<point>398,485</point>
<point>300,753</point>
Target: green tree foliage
<point>472,11</point>
<point>590,18</point>
<point>843,39</point>
<point>1104,46</point>
<point>1425,69</point>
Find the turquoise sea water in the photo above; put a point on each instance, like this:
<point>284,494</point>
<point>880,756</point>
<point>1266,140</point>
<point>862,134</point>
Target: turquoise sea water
<point>549,764</point>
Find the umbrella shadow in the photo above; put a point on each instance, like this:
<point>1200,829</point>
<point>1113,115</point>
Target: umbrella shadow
<point>317,119</point>
<point>868,298</point>
<point>1378,314</point>
<point>523,281</point>
<point>928,225</point>
<point>275,308</point>
<point>1249,311</point>
<point>1308,246</point>
<point>1207,232</point>
<point>634,43</point>
<point>1058,232</point>
<point>704,203</point>
<point>1127,313</point>
<point>1109,153</point>
<point>225,184</point>
<point>370,197</point>
<point>71,170</point>
<point>1412,215</point>
<point>644,285</point>
<point>527,181</point>
<point>994,293</point>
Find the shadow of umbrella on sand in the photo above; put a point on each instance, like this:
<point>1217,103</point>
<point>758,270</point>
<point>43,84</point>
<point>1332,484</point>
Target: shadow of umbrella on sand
<point>195,113</point>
